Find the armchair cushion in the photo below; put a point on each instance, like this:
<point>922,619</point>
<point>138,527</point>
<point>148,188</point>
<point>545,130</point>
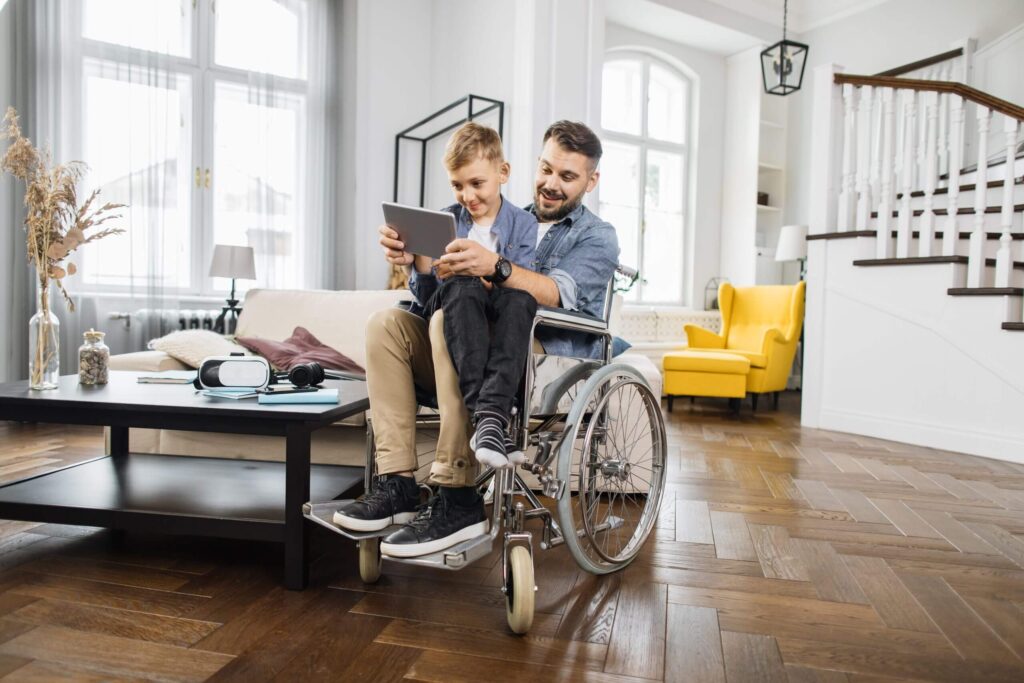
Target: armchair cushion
<point>706,361</point>
<point>757,360</point>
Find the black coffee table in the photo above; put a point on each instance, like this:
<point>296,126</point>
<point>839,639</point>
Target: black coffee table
<point>175,494</point>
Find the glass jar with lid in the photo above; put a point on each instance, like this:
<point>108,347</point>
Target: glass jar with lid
<point>93,359</point>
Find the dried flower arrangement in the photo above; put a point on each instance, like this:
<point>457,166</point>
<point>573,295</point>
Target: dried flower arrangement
<point>55,224</point>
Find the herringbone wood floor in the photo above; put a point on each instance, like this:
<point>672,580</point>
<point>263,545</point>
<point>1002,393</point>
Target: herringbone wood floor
<point>781,554</point>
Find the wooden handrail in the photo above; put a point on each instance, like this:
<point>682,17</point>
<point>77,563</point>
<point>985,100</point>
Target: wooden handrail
<point>965,91</point>
<point>922,63</point>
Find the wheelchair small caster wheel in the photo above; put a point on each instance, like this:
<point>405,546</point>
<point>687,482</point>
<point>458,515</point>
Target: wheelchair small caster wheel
<point>519,594</point>
<point>369,560</point>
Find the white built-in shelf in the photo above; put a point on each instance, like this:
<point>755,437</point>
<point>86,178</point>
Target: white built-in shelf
<point>768,167</point>
<point>768,209</point>
<point>771,124</point>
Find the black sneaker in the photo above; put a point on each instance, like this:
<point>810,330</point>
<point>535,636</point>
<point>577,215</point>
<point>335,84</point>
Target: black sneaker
<point>439,525</point>
<point>394,501</point>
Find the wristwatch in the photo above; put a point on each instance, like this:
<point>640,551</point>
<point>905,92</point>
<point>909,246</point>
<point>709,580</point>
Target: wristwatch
<point>502,271</point>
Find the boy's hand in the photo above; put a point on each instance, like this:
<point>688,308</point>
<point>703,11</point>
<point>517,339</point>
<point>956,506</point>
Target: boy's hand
<point>466,257</point>
<point>394,249</point>
<point>442,270</point>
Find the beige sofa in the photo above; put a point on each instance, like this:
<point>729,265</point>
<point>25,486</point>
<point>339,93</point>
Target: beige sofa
<point>338,319</point>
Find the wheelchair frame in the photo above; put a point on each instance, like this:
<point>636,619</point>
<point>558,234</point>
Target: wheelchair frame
<point>507,489</point>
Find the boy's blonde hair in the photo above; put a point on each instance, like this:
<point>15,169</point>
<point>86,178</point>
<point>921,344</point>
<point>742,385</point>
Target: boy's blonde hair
<point>472,141</point>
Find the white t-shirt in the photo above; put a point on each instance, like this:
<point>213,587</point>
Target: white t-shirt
<point>482,235</point>
<point>542,229</point>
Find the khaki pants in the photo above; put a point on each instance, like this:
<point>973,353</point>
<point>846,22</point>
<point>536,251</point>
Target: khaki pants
<point>401,351</point>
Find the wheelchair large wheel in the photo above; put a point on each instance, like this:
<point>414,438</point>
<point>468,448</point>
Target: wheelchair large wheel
<point>613,463</point>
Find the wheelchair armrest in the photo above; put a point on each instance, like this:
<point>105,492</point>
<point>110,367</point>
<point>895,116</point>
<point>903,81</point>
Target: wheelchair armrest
<point>572,320</point>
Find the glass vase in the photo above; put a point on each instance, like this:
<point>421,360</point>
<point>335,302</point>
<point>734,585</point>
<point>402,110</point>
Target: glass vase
<point>43,344</point>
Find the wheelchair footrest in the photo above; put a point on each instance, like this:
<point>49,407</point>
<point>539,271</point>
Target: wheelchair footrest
<point>323,514</point>
<point>456,557</point>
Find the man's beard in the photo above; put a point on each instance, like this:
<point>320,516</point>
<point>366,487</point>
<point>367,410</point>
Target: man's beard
<point>555,215</point>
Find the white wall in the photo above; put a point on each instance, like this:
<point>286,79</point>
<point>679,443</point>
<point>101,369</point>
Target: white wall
<point>410,57</point>
<point>882,37</point>
<point>708,72</point>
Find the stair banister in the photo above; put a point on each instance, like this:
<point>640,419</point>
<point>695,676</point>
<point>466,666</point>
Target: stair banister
<point>864,158</point>
<point>927,227</point>
<point>903,231</point>
<point>883,245</point>
<point>847,189</point>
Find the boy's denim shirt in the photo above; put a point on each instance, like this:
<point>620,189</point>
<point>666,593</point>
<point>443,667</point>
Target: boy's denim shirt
<point>517,241</point>
<point>580,253</point>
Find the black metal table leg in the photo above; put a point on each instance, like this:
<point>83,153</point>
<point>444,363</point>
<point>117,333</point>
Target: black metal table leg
<point>118,441</point>
<point>296,533</point>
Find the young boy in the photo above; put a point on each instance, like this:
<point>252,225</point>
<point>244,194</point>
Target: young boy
<point>487,326</point>
<point>487,331</point>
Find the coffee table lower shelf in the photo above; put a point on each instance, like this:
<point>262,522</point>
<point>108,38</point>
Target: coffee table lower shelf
<point>171,494</point>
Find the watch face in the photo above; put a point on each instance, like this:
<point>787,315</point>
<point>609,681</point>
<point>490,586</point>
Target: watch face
<point>504,269</point>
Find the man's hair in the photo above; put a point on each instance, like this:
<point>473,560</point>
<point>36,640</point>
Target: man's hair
<point>574,136</point>
<point>470,142</point>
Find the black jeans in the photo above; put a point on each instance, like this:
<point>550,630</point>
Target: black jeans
<point>488,335</point>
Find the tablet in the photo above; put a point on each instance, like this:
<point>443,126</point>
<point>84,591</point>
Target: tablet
<point>423,231</point>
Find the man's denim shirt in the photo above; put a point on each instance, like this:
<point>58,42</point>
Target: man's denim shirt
<point>517,241</point>
<point>580,253</point>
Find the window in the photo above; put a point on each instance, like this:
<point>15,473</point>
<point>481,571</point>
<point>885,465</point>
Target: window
<point>194,113</point>
<point>644,115</point>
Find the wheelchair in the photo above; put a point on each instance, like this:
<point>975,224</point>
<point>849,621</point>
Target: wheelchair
<point>596,448</point>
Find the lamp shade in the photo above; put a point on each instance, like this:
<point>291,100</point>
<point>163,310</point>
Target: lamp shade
<point>792,243</point>
<point>233,262</point>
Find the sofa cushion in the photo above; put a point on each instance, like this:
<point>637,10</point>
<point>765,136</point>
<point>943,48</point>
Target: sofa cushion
<point>192,346</point>
<point>301,347</point>
<point>336,318</point>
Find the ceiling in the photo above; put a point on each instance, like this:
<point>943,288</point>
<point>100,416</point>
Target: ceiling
<point>665,22</point>
<point>803,14</point>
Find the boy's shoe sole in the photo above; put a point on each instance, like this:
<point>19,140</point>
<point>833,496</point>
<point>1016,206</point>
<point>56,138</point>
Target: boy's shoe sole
<point>357,524</point>
<point>437,545</point>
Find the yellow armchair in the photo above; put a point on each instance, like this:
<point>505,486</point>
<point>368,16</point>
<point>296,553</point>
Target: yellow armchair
<point>761,324</point>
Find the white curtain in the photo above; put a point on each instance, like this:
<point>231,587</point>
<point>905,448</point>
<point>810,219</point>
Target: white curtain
<point>211,121</point>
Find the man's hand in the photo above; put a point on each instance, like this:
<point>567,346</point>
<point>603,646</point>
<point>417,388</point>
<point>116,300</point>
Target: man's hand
<point>466,257</point>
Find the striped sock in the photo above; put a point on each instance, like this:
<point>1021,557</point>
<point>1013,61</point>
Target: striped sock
<point>489,439</point>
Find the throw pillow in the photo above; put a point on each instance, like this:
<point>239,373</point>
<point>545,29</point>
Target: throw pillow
<point>192,346</point>
<point>301,347</point>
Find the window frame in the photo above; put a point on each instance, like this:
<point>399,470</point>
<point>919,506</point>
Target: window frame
<point>204,73</point>
<point>645,143</point>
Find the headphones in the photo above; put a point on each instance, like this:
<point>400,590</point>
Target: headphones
<point>303,374</point>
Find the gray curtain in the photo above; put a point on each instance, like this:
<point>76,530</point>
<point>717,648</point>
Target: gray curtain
<point>17,88</point>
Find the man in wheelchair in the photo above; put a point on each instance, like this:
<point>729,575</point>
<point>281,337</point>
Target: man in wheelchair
<point>576,257</point>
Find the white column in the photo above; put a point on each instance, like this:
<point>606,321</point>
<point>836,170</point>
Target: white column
<point>956,148</point>
<point>907,178</point>
<point>826,127</point>
<point>976,252</point>
<point>864,158</point>
<point>1004,259</point>
<point>846,191</point>
<point>883,243</point>
<point>927,224</point>
<point>944,122</point>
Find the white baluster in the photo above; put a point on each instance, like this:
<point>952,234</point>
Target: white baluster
<point>956,149</point>
<point>875,165</point>
<point>976,252</point>
<point>944,124</point>
<point>907,178</point>
<point>846,189</point>
<point>922,142</point>
<point>1004,259</point>
<point>927,225</point>
<point>883,242</point>
<point>864,158</point>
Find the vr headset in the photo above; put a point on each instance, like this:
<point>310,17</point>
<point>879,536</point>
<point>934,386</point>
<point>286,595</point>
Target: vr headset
<point>238,371</point>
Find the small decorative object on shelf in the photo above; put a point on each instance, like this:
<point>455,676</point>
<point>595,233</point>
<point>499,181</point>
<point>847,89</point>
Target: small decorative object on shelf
<point>762,198</point>
<point>56,224</point>
<point>711,293</point>
<point>93,359</point>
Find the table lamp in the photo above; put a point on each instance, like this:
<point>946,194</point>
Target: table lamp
<point>793,245</point>
<point>236,263</point>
